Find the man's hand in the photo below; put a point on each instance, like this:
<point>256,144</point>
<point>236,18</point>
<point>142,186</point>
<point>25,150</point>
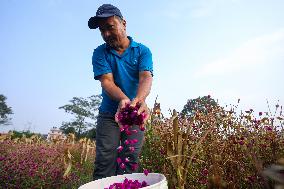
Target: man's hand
<point>121,105</point>
<point>143,108</point>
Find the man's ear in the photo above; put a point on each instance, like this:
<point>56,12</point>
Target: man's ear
<point>124,23</point>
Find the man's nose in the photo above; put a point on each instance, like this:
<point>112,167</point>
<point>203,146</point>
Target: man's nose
<point>105,34</point>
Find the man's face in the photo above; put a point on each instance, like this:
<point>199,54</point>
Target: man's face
<point>113,31</point>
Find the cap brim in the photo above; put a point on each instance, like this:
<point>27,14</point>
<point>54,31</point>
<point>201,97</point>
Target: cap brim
<point>93,22</point>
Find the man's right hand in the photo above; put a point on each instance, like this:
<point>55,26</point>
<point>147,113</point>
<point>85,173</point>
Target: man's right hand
<point>121,105</point>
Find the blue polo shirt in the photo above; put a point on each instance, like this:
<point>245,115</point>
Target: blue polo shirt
<point>125,69</point>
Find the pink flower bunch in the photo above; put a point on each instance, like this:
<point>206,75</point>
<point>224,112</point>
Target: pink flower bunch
<point>128,116</point>
<point>128,184</point>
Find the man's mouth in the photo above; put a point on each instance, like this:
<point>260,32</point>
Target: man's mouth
<point>111,40</point>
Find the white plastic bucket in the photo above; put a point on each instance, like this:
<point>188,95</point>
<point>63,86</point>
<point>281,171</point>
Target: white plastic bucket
<point>154,180</point>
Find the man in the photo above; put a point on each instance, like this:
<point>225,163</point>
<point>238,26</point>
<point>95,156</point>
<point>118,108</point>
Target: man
<point>125,70</point>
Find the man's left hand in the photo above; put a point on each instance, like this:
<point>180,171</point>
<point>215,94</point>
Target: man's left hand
<point>143,108</point>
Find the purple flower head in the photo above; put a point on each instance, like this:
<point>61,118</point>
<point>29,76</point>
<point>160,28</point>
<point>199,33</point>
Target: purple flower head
<point>144,184</point>
<point>131,149</point>
<point>241,142</point>
<point>126,160</point>
<point>127,131</point>
<point>146,172</point>
<point>129,116</point>
<point>119,149</point>
<point>133,141</point>
<point>134,166</point>
<point>203,181</point>
<point>268,128</point>
<point>205,172</point>
<point>128,184</point>
<point>251,178</point>
<point>118,160</point>
<point>122,166</point>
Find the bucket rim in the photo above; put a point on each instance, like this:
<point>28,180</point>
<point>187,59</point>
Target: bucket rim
<point>163,179</point>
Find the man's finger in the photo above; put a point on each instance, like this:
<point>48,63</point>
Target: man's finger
<point>143,108</point>
<point>134,102</point>
<point>123,103</point>
<point>147,117</point>
<point>116,117</point>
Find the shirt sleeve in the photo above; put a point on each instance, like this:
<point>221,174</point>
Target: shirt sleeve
<point>145,60</point>
<point>100,65</point>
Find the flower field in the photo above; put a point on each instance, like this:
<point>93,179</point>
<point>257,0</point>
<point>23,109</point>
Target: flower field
<point>216,148</point>
<point>39,164</point>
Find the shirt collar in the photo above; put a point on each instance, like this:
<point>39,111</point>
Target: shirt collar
<point>132,43</point>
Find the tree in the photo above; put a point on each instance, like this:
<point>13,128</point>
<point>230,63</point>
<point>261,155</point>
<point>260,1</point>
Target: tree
<point>67,128</point>
<point>20,134</point>
<point>85,112</point>
<point>90,133</point>
<point>5,111</point>
<point>200,104</point>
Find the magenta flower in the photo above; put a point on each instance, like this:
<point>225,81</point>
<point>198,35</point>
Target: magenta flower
<point>134,141</point>
<point>132,149</point>
<point>127,131</point>
<point>268,128</point>
<point>118,160</point>
<point>144,184</point>
<point>146,172</point>
<point>119,149</point>
<point>134,166</point>
<point>251,179</point>
<point>126,160</point>
<point>134,131</point>
<point>203,181</point>
<point>205,172</point>
<point>128,184</point>
<point>122,166</point>
<point>129,116</point>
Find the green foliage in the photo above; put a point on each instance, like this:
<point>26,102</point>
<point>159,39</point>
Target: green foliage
<point>91,134</point>
<point>68,130</point>
<point>20,134</point>
<point>85,112</point>
<point>5,111</point>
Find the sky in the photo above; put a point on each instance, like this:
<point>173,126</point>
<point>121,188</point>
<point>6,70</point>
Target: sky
<point>229,49</point>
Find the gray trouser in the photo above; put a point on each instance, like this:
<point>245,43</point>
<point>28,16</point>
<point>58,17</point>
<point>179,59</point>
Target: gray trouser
<point>108,139</point>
